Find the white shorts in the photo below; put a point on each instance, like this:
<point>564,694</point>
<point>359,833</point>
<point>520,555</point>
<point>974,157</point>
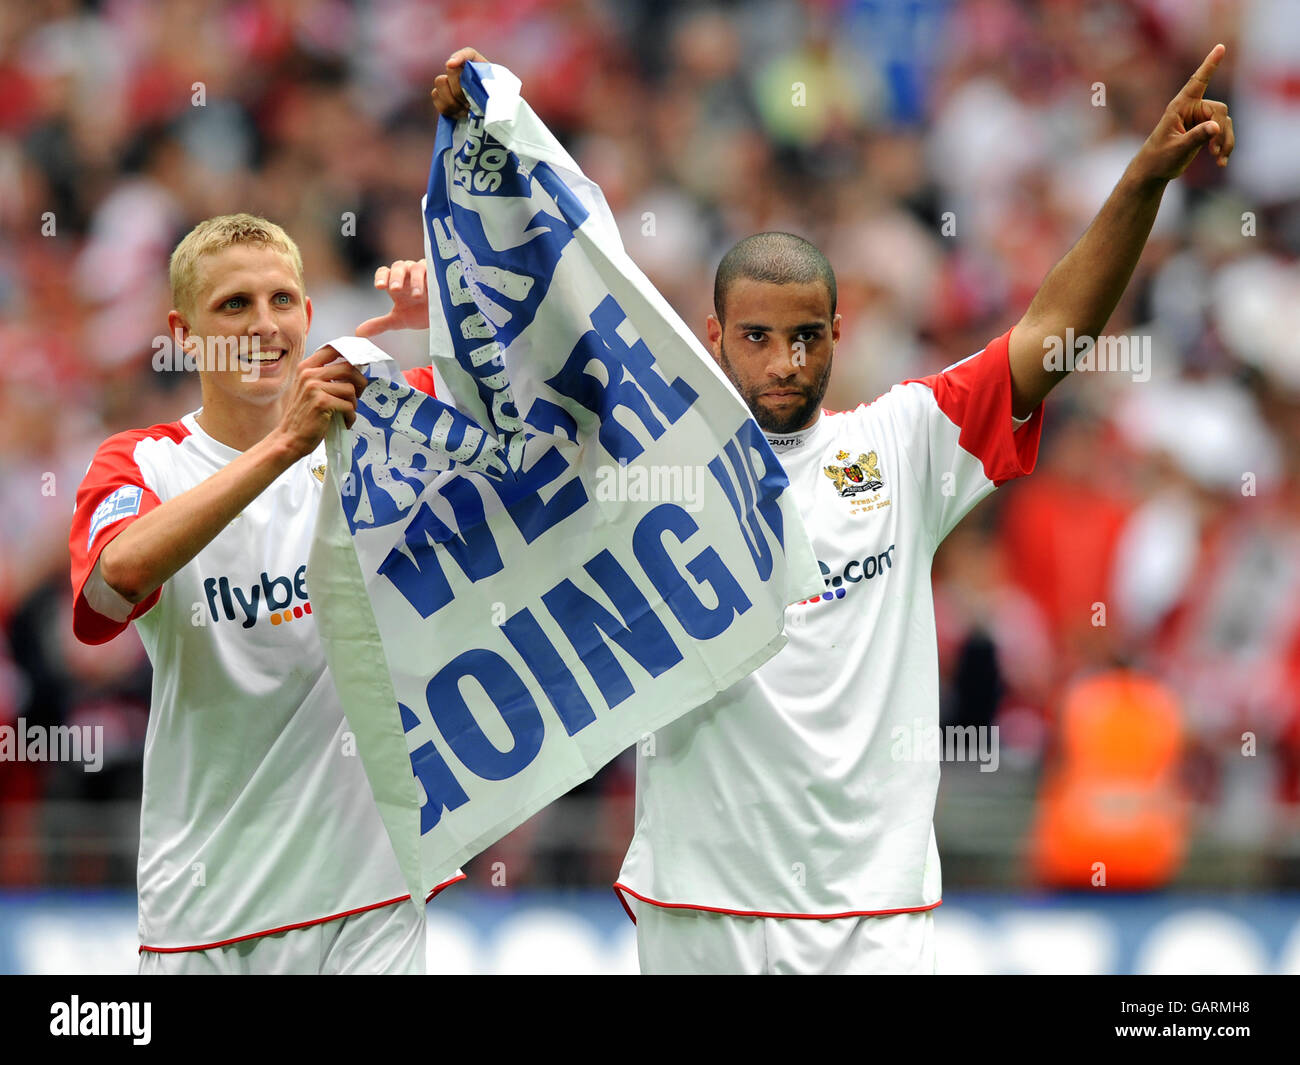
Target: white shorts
<point>387,939</point>
<point>698,941</point>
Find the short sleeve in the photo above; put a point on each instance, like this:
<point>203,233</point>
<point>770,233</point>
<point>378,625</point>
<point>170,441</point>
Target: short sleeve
<point>113,494</point>
<point>962,441</point>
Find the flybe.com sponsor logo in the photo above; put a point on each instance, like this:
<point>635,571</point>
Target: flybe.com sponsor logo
<point>282,599</point>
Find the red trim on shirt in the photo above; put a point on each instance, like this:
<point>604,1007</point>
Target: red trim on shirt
<point>301,924</point>
<point>975,395</point>
<point>763,913</point>
<point>445,884</point>
<point>618,894</point>
<point>113,467</point>
<point>421,377</point>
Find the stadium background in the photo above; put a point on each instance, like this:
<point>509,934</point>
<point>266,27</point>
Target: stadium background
<point>944,154</point>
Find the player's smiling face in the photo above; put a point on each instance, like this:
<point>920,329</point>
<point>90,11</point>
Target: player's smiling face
<point>248,297</point>
<point>776,345</point>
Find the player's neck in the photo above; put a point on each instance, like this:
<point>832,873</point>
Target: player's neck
<point>239,426</point>
<point>802,431</point>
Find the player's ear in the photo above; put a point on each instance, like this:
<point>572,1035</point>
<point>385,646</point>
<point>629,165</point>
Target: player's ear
<point>178,328</point>
<point>714,330</point>
<point>306,302</point>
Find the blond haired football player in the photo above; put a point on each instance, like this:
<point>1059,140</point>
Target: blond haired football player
<point>261,848</point>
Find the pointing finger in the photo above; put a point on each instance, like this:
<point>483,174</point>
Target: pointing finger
<point>1199,82</point>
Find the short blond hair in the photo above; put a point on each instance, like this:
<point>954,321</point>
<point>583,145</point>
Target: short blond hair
<point>223,231</point>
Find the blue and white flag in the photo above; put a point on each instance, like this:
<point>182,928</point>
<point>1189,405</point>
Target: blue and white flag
<point>584,538</point>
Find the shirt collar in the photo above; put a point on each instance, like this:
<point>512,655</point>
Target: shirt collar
<point>789,441</point>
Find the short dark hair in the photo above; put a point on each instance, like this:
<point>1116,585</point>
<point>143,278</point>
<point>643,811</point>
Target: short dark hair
<point>777,258</point>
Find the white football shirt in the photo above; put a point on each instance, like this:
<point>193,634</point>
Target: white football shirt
<point>794,793</point>
<point>256,815</point>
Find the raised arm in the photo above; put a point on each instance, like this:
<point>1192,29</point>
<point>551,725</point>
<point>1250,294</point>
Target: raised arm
<point>1083,289</point>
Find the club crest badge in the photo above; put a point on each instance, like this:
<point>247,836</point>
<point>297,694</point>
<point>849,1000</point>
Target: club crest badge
<point>850,478</point>
<point>319,472</point>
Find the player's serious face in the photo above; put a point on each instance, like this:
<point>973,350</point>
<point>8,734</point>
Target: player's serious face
<point>776,346</point>
<point>249,297</point>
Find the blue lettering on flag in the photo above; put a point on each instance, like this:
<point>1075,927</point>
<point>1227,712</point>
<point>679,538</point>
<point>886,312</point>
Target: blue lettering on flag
<point>587,624</point>
<point>557,681</point>
<point>699,621</point>
<point>523,500</point>
<point>461,731</point>
<point>442,791</point>
<point>417,571</point>
<point>753,492</point>
<point>630,381</point>
<point>490,295</point>
<point>404,433</point>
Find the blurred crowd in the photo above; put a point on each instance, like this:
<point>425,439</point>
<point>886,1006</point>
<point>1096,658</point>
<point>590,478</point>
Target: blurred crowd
<point>944,154</point>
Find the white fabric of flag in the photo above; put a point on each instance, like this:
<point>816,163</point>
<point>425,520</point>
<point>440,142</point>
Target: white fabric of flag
<point>582,538</point>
